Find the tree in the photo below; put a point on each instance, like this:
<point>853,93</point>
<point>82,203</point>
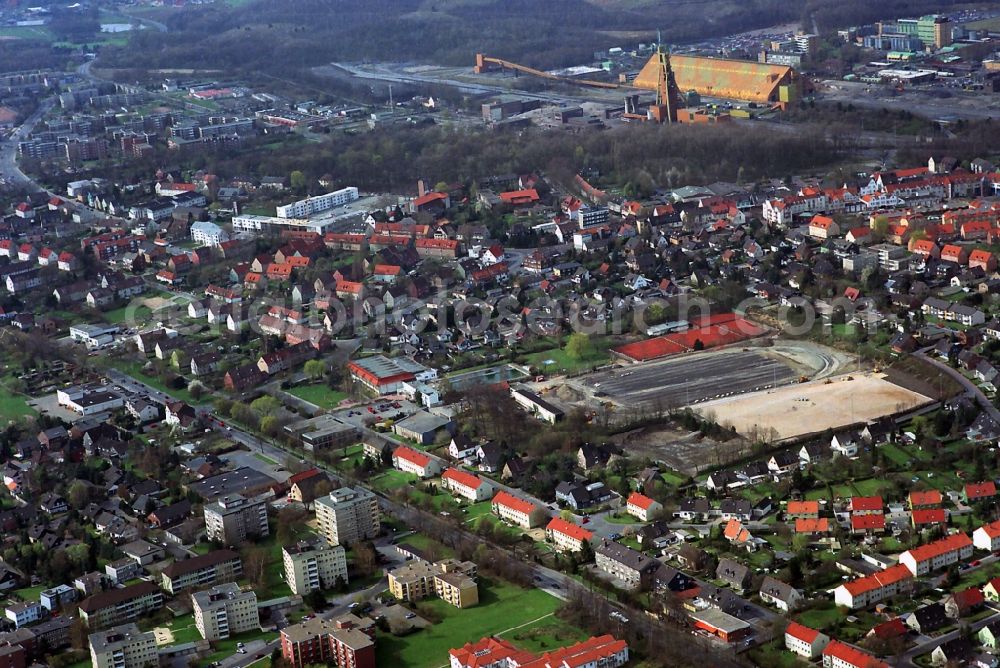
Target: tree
<point>265,406</point>
<point>365,558</point>
<point>316,600</point>
<point>269,424</point>
<point>197,389</point>
<point>315,369</point>
<point>578,346</point>
<point>298,180</point>
<point>78,494</point>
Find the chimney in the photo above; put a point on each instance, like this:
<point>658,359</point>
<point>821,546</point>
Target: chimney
<point>421,188</point>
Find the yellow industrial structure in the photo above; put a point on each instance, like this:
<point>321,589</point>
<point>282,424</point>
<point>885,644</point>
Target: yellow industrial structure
<point>730,79</point>
<point>668,74</point>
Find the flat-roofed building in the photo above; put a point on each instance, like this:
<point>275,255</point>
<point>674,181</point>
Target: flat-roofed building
<point>123,647</point>
<point>314,564</point>
<point>450,580</point>
<point>233,519</point>
<point>224,611</point>
<point>323,431</point>
<point>215,567</point>
<point>117,606</point>
<point>348,642</point>
<point>348,515</point>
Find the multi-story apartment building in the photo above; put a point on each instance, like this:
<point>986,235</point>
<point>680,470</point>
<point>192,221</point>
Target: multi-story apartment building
<point>208,569</point>
<point>348,515</point>
<point>233,518</point>
<point>566,536</point>
<point>517,511</point>
<point>123,647</point>
<point>451,580</point>
<point>348,642</point>
<point>309,206</point>
<point>627,565</point>
<point>225,610</point>
<point>117,606</point>
<point>937,555</point>
<point>314,564</point>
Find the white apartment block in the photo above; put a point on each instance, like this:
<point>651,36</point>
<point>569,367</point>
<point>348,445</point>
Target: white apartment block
<point>224,611</point>
<point>987,537</point>
<point>314,565</point>
<point>123,647</point>
<point>311,205</point>
<point>517,511</point>
<point>348,515</point>
<point>937,555</point>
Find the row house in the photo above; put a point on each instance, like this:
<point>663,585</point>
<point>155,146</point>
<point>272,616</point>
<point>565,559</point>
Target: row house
<point>937,555</point>
<point>871,589</point>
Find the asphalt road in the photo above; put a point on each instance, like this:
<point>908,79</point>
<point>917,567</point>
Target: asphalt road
<point>681,381</point>
<point>8,149</point>
<point>972,391</point>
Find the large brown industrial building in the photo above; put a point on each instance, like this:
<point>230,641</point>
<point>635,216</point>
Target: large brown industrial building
<point>731,79</point>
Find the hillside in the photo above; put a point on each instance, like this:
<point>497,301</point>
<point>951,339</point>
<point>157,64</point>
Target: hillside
<point>263,35</point>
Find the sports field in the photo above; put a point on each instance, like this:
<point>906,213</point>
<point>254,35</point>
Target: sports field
<point>709,332</point>
<point>806,408</point>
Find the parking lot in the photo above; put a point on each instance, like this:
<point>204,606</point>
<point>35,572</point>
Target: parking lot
<point>689,379</point>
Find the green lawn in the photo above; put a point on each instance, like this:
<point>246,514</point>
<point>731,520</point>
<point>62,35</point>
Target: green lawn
<point>502,607</point>
<point>30,593</point>
<point>895,454</point>
<point>265,459</point>
<point>423,542</point>
<point>620,518</point>
<point>13,406</point>
<point>320,395</point>
<point>139,314</point>
<point>558,361</point>
<point>391,479</point>
<point>183,628</point>
<point>821,616</point>
<point>545,635</point>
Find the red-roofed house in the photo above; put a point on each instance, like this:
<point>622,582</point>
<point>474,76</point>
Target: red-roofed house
<point>419,464</point>
<point>987,537</point>
<point>859,235</point>
<point>466,485</point>
<point>823,227</point>
<point>866,505</point>
<point>520,197</point>
<point>804,641</point>
<point>979,491</point>
<point>566,536</point>
<point>517,511</point>
<point>386,273</point>
<point>812,526</point>
<point>985,260</point>
<point>432,201</point>
<point>928,499</point>
<point>925,248</point>
<point>873,523</point>
<point>953,253</point>
<point>894,628</point>
<point>928,517</point>
<point>806,509</point>
<point>874,588</point>
<point>839,655</point>
<point>991,590</point>
<point>965,602</point>
<point>937,555</point>
<point>642,507</point>
<point>488,653</point>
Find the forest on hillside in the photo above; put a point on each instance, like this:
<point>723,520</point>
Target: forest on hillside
<point>294,34</point>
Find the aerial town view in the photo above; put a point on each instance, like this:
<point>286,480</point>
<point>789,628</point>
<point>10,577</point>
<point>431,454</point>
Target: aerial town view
<point>499,334</point>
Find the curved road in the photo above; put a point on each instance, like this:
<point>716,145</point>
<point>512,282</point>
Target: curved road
<point>971,389</point>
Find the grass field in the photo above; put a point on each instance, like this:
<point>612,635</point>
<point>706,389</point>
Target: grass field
<point>137,315</point>
<point>558,360</point>
<point>13,406</point>
<point>392,479</point>
<point>985,24</point>
<point>502,609</point>
<point>821,616</point>
<point>320,395</point>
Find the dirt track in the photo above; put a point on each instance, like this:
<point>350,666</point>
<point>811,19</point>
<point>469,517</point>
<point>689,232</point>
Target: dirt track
<point>806,408</point>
